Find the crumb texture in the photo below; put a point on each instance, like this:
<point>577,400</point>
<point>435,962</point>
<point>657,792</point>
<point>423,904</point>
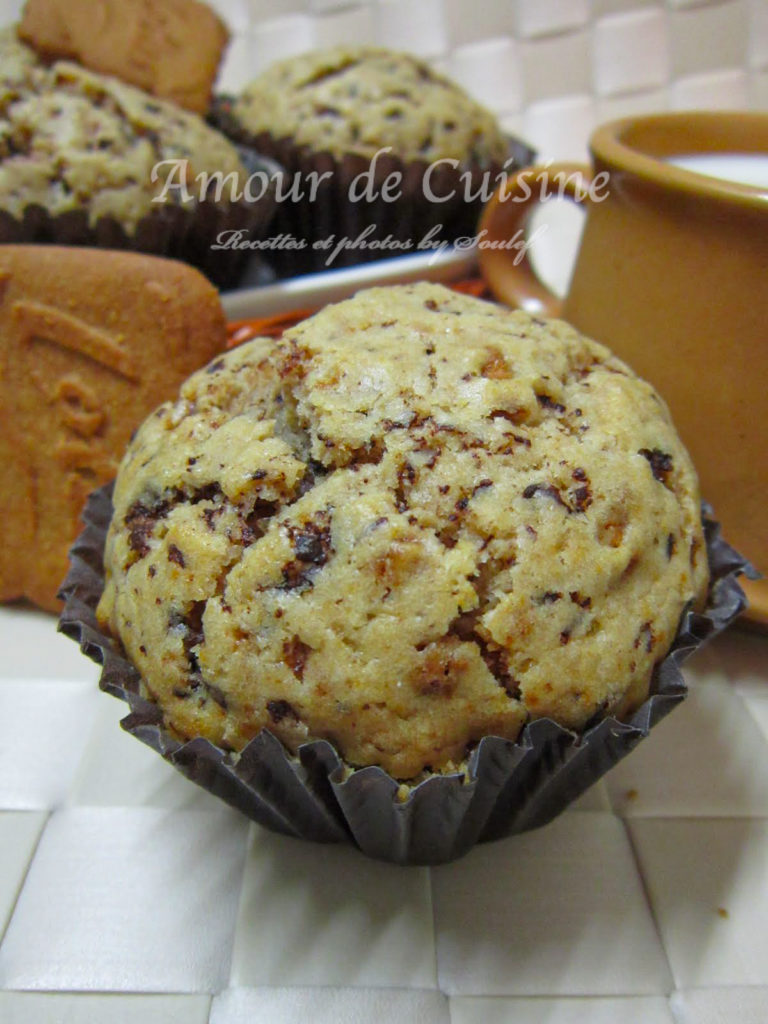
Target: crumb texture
<point>359,100</point>
<point>416,520</point>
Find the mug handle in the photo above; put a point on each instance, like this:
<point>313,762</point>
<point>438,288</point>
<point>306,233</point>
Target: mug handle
<point>509,271</point>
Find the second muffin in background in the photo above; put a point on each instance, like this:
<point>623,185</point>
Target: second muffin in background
<point>344,111</point>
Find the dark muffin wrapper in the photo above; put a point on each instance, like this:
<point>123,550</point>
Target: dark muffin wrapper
<point>506,787</point>
<point>409,219</point>
<point>179,232</point>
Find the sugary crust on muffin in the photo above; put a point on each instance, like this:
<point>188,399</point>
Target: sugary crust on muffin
<point>359,100</point>
<point>71,139</point>
<point>416,520</point>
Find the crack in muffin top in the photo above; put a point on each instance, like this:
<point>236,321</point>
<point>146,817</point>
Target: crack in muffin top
<point>416,520</point>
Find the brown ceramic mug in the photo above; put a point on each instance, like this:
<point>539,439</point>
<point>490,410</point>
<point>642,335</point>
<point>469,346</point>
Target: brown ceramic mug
<point>672,275</point>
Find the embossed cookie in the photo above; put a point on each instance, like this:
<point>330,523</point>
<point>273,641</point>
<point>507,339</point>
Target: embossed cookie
<point>416,520</point>
<point>171,48</point>
<point>90,342</point>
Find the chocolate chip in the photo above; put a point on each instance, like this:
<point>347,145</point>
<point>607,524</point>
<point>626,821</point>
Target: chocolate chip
<point>496,658</point>
<point>646,636</point>
<point>310,547</point>
<point>312,540</point>
<point>175,555</point>
<point>582,602</point>
<point>516,416</point>
<point>192,630</point>
<point>217,695</point>
<point>210,515</point>
<point>140,521</point>
<point>549,403</point>
<point>581,499</point>
<point>370,454</point>
<point>209,492</point>
<point>406,475</point>
<point>545,490</point>
<point>296,653</point>
<point>314,471</point>
<point>296,574</point>
<point>660,462</point>
<point>550,596</point>
<point>253,527</point>
<point>280,709</point>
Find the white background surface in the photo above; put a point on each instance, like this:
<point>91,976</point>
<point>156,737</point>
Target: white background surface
<point>129,896</point>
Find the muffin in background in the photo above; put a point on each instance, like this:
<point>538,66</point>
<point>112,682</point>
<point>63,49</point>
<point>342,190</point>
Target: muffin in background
<point>84,157</point>
<point>344,111</point>
<point>415,521</point>
<point>347,100</point>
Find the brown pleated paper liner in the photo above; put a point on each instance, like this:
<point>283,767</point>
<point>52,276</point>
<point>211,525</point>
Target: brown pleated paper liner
<point>506,787</point>
<point>180,232</point>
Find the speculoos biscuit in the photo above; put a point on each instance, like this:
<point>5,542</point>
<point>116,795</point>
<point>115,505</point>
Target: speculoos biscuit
<point>90,342</point>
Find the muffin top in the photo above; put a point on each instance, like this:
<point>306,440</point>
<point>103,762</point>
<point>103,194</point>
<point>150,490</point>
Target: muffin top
<point>72,139</point>
<point>358,101</point>
<point>21,67</point>
<point>415,520</point>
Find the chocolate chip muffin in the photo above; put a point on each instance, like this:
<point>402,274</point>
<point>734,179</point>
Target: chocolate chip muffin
<point>345,111</point>
<point>85,159</point>
<point>347,100</point>
<point>416,520</point>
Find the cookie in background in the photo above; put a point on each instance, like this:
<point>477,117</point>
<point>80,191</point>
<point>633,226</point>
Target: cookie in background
<point>170,48</point>
<point>90,343</point>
